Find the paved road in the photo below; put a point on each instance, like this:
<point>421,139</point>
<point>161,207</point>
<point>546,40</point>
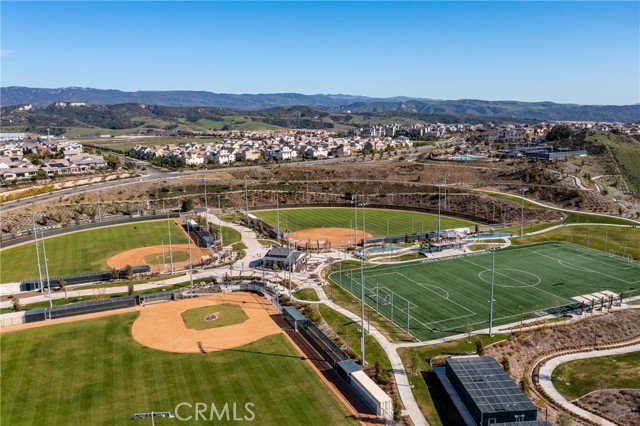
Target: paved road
<point>547,370</point>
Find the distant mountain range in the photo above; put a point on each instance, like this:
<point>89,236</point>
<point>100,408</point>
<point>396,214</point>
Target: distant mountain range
<point>470,108</point>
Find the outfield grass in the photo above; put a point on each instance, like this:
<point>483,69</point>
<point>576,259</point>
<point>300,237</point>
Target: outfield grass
<point>577,378</point>
<point>399,222</point>
<point>442,298</point>
<point>227,314</point>
<point>93,372</point>
<point>85,251</point>
<point>592,237</point>
<point>426,388</point>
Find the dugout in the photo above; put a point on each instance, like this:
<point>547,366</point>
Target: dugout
<point>371,394</point>
<point>293,317</point>
<point>484,394</point>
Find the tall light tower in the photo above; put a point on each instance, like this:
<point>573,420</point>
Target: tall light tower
<point>362,284</point>
<point>522,190</point>
<point>220,223</point>
<point>46,268</point>
<point>246,198</point>
<point>206,205</point>
<point>169,231</point>
<point>493,270</point>
<point>35,236</point>
<point>306,172</point>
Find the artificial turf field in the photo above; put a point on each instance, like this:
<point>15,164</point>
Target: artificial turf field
<point>444,297</point>
<point>399,222</point>
<point>86,251</point>
<point>93,372</point>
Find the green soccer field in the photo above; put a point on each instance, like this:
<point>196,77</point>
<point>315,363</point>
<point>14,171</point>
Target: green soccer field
<point>440,298</point>
<point>93,372</point>
<point>377,221</point>
<point>85,251</point>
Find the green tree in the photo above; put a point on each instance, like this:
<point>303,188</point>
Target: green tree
<point>115,274</point>
<point>505,364</point>
<point>479,346</point>
<point>187,205</point>
<point>15,303</point>
<point>63,286</point>
<point>128,272</point>
<point>130,289</point>
<point>564,420</point>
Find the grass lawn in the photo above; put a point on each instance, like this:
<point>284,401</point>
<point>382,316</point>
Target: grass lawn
<point>577,378</point>
<point>226,314</point>
<point>85,251</point>
<point>93,371</point>
<point>592,237</point>
<point>441,298</point>
<point>307,294</point>
<point>426,387</point>
<point>230,235</point>
<point>348,331</point>
<point>400,222</point>
<point>272,243</point>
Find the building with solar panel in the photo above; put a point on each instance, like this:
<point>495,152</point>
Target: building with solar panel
<point>484,394</point>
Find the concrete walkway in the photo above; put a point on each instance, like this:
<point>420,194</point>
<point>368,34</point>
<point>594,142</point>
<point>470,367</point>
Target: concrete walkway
<point>547,370</point>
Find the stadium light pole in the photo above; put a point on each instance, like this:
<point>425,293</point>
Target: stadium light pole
<point>362,286</point>
<point>277,215</point>
<point>445,192</point>
<point>493,270</point>
<point>190,260</point>
<point>438,212</point>
<point>220,223</point>
<point>206,205</point>
<point>246,198</point>
<point>35,236</point>
<point>169,230</point>
<point>306,172</point>
<point>522,190</point>
<point>46,268</point>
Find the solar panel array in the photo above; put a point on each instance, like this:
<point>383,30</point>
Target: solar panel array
<point>488,385</point>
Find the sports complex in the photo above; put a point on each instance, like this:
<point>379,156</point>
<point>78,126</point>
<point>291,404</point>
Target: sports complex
<point>233,348</point>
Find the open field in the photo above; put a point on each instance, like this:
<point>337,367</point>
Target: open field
<point>377,221</point>
<point>85,251</point>
<point>577,378</point>
<point>94,370</point>
<point>436,299</point>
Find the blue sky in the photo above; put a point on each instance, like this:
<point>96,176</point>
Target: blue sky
<point>575,52</point>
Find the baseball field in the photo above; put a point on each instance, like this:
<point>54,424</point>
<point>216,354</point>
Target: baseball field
<point>100,372</point>
<point>378,222</point>
<point>85,251</point>
<point>439,298</point>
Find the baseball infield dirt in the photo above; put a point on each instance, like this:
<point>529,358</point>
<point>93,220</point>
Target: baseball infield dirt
<point>340,236</point>
<point>161,327</point>
<point>137,256</point>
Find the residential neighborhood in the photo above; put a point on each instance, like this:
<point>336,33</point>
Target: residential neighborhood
<point>21,159</point>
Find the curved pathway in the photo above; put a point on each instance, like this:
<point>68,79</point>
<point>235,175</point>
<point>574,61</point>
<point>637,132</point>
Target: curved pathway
<point>547,385</point>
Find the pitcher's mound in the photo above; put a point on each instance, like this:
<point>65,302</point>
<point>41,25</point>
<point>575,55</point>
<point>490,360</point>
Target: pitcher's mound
<point>342,236</point>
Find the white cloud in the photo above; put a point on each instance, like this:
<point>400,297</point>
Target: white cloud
<point>5,52</point>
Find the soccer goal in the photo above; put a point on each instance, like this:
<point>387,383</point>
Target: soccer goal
<point>622,255</point>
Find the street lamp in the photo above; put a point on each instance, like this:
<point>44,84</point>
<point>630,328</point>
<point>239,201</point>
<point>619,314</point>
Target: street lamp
<point>152,415</point>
